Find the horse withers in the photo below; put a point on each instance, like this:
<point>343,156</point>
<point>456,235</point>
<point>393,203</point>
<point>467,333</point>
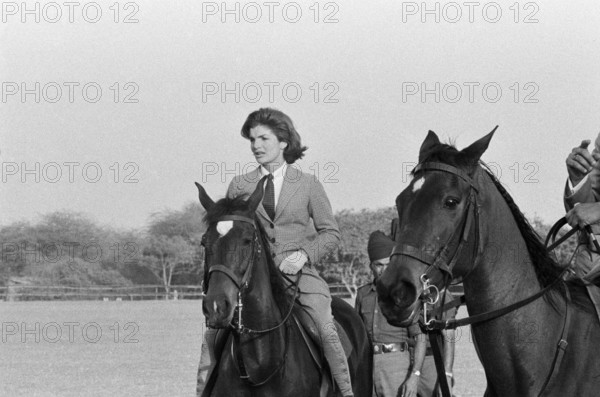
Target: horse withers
<point>457,222</point>
<point>265,353</point>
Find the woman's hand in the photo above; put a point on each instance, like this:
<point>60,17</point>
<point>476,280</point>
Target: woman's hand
<point>293,263</point>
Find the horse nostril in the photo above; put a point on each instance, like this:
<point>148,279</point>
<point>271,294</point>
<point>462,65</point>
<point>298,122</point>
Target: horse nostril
<point>405,294</point>
<point>222,306</point>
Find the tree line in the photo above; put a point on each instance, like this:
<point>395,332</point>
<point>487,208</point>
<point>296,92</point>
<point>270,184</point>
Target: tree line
<point>70,249</point>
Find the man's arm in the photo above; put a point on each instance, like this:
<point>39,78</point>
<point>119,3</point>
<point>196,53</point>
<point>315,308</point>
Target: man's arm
<point>449,346</point>
<point>582,167</point>
<point>410,386</point>
<point>582,193</point>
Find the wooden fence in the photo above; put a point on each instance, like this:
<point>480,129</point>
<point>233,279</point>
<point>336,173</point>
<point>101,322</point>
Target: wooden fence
<point>129,293</point>
<point>111,293</point>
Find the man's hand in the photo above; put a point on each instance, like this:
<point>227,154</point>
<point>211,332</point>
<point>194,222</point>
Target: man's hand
<point>584,214</point>
<point>293,263</point>
<point>580,162</point>
<point>409,387</point>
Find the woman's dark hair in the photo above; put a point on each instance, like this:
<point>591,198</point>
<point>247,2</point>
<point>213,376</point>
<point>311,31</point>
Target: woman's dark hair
<point>283,128</point>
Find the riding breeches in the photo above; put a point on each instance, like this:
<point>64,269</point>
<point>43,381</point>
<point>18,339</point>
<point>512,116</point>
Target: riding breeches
<point>314,295</point>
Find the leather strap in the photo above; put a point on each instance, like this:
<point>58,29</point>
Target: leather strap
<point>561,347</point>
<point>479,318</point>
<point>433,166</point>
<point>240,218</point>
<point>435,339</point>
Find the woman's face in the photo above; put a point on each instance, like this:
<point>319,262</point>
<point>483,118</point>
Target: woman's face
<point>267,149</point>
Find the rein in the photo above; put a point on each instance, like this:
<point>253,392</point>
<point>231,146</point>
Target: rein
<point>242,285</point>
<point>445,263</point>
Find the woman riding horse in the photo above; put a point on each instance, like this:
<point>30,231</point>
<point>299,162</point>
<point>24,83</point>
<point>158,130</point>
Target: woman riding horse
<point>298,219</point>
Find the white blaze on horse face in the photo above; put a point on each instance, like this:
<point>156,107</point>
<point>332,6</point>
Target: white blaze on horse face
<point>418,184</point>
<point>223,227</point>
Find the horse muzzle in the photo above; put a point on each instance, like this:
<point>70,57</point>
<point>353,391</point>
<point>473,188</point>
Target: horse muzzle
<point>218,310</point>
<point>398,296</point>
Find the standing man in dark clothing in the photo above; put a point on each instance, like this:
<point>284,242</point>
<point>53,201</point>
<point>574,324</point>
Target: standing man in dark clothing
<point>392,357</point>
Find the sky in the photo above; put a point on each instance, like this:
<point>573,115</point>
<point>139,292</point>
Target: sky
<point>115,109</point>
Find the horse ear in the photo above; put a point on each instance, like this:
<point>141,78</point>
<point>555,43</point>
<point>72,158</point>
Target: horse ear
<point>477,148</point>
<point>430,141</point>
<point>205,200</point>
<point>257,196</point>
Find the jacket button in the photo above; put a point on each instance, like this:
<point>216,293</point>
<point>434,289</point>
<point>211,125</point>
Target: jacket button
<point>273,254</point>
<point>273,240</point>
<point>272,226</point>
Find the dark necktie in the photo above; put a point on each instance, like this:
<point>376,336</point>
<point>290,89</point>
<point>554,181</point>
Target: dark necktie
<point>269,197</point>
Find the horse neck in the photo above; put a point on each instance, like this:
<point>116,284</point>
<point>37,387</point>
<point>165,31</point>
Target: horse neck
<point>505,271</point>
<point>260,306</point>
<point>512,346</point>
<point>262,352</point>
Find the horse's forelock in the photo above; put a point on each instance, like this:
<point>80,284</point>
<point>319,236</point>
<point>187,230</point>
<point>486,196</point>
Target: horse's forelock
<point>225,206</point>
<point>446,153</point>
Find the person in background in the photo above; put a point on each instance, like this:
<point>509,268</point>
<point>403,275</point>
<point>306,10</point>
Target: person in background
<point>582,202</point>
<point>391,345</point>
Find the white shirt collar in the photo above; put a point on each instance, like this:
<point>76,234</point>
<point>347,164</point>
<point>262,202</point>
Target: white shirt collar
<point>278,174</point>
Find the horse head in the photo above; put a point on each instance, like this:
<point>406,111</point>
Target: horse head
<point>230,244</point>
<point>438,222</point>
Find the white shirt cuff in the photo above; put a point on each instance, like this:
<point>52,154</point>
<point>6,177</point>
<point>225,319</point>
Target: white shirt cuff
<point>575,189</point>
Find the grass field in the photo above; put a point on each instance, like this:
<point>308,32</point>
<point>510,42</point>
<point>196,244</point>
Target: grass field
<point>145,348</point>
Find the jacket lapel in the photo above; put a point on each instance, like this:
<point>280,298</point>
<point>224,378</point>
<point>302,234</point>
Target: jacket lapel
<point>291,183</point>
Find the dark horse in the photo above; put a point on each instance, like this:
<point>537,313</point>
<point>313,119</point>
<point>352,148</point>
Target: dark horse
<point>267,356</point>
<point>458,222</point>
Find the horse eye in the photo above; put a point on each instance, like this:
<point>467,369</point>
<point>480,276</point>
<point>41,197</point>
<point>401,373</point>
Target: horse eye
<point>451,203</point>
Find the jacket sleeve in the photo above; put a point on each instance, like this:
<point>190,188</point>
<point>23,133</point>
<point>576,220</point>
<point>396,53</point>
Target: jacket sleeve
<point>584,194</point>
<point>328,235</point>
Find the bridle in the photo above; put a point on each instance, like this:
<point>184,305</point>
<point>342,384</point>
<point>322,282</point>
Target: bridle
<point>446,258</point>
<point>242,285</point>
<point>445,262</point>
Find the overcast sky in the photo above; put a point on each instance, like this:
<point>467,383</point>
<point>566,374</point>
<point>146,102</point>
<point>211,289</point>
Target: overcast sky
<point>131,114</point>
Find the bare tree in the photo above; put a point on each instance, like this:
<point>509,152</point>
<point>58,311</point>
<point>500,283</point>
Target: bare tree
<point>165,256</point>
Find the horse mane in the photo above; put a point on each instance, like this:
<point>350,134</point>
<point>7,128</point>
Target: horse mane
<point>546,268</point>
<point>229,205</point>
<point>278,285</point>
